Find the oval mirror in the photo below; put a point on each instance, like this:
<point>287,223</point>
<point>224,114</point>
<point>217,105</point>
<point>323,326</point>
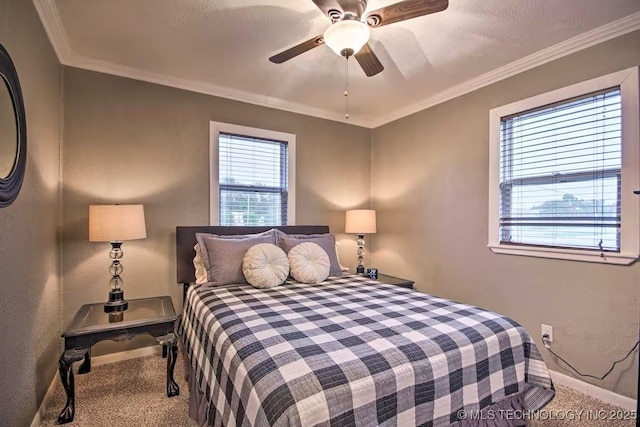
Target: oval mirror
<point>13,131</point>
<point>8,131</point>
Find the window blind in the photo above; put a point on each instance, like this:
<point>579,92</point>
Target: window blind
<point>253,180</point>
<point>560,174</point>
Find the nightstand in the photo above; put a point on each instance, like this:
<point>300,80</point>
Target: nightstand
<point>152,316</point>
<point>391,280</point>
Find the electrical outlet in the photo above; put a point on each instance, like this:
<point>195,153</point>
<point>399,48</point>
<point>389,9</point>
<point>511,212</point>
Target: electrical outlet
<point>547,330</point>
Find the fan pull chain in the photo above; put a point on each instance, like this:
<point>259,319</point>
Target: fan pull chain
<point>346,86</point>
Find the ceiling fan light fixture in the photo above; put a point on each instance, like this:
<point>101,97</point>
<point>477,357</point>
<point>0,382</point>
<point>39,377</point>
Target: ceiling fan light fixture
<point>347,37</point>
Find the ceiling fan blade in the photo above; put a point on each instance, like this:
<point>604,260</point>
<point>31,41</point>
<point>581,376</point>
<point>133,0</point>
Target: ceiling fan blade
<point>369,61</point>
<point>296,50</point>
<point>404,10</point>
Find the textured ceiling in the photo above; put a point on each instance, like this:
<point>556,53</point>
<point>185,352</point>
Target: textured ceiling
<point>227,44</point>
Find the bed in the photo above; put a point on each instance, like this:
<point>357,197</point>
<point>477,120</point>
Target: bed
<point>349,351</point>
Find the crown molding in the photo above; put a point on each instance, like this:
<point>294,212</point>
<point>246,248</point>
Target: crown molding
<point>92,64</point>
<point>54,28</point>
<point>590,38</point>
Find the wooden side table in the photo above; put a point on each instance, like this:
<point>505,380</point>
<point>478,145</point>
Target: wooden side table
<point>152,316</point>
<point>392,280</point>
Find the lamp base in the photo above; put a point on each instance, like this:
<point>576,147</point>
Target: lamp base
<point>360,269</point>
<point>116,316</point>
<point>116,302</point>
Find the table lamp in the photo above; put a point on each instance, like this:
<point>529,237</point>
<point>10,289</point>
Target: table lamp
<point>360,222</point>
<point>116,224</point>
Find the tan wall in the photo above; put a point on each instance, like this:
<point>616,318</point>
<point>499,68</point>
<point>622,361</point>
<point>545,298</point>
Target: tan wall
<point>29,276</point>
<point>129,141</point>
<point>430,187</point>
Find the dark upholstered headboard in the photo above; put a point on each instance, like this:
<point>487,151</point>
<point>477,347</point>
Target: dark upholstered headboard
<point>186,240</point>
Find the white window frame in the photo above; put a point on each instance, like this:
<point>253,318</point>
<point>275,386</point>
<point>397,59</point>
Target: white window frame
<point>627,80</point>
<point>215,129</point>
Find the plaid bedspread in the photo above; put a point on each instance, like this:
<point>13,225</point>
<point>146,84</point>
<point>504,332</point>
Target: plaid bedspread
<point>351,351</point>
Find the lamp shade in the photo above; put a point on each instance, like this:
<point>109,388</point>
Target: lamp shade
<point>360,221</point>
<point>346,38</point>
<point>114,223</point>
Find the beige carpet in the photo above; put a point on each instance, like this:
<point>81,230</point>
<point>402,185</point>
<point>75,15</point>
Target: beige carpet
<point>569,402</point>
<point>132,394</point>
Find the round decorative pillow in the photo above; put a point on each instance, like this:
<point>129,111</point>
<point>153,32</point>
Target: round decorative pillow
<point>309,263</point>
<point>265,265</point>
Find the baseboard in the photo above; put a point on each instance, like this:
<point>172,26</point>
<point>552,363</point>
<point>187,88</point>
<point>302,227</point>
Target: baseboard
<point>37,419</point>
<point>593,391</point>
<point>95,361</point>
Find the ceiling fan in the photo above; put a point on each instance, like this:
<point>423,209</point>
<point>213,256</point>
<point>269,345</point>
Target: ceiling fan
<point>349,31</point>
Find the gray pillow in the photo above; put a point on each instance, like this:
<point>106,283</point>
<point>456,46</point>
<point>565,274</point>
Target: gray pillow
<point>222,256</point>
<point>271,232</point>
<point>325,241</point>
<point>203,249</point>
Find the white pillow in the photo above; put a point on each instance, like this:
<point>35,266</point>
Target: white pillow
<point>198,264</point>
<point>309,263</point>
<point>265,265</point>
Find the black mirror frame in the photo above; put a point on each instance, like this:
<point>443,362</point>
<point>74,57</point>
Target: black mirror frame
<point>11,184</point>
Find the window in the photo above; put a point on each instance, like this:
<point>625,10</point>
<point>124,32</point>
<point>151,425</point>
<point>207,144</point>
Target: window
<point>562,173</point>
<point>252,176</point>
